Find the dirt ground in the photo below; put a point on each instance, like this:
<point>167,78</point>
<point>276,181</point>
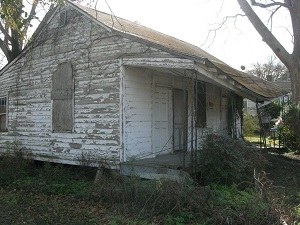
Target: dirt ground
<point>284,171</point>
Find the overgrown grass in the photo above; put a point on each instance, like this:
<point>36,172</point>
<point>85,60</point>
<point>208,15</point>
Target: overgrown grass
<point>56,194</point>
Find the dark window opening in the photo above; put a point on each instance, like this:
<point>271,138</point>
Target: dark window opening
<point>63,18</point>
<point>200,104</point>
<point>3,114</point>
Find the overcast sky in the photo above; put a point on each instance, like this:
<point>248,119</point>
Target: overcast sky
<point>236,43</point>
<point>190,20</point>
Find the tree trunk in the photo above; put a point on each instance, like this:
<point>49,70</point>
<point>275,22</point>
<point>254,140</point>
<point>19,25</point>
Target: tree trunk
<point>16,48</point>
<point>291,61</point>
<point>294,69</point>
<point>295,82</point>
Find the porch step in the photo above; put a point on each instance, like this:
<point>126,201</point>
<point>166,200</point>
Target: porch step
<point>154,172</point>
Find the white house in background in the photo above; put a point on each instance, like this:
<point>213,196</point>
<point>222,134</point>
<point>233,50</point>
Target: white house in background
<point>250,106</point>
<point>90,84</point>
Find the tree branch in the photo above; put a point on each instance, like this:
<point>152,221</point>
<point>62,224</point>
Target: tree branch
<point>30,16</point>
<point>220,25</point>
<point>265,33</point>
<point>5,32</point>
<point>271,16</point>
<point>4,48</point>
<point>267,5</point>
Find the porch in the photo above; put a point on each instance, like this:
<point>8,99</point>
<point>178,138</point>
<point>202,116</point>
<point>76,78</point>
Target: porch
<point>174,166</point>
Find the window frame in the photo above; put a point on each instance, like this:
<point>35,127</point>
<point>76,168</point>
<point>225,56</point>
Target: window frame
<point>6,113</point>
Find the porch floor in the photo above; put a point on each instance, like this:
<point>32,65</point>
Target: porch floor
<point>177,160</point>
<point>169,166</point>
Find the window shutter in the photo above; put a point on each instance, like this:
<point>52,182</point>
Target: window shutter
<point>201,104</point>
<point>3,116</point>
<point>62,98</point>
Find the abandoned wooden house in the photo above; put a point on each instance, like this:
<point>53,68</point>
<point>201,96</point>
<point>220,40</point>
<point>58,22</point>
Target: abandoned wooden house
<point>91,86</point>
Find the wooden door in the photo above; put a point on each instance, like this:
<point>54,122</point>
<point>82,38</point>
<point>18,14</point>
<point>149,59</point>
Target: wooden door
<point>162,121</point>
<point>180,119</point>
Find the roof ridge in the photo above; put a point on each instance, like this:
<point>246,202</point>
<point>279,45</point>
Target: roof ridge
<point>86,9</point>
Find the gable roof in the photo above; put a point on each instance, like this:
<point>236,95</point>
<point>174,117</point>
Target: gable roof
<point>261,89</point>
<point>264,89</point>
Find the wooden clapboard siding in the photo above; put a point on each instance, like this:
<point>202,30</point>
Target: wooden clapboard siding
<point>138,90</point>
<point>113,103</point>
<point>95,55</point>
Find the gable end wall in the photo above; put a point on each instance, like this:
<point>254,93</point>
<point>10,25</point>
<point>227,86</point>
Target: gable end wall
<point>95,55</point>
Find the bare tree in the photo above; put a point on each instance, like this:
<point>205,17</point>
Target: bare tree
<point>290,60</point>
<point>16,16</point>
<point>272,70</point>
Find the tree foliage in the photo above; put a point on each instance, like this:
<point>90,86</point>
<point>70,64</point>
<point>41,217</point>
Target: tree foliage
<point>16,17</point>
<point>250,125</point>
<point>290,60</point>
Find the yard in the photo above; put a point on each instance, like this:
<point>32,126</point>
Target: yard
<point>32,193</point>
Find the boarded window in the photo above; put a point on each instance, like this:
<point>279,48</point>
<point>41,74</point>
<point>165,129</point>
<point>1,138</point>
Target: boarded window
<point>3,114</point>
<point>62,98</point>
<point>201,104</point>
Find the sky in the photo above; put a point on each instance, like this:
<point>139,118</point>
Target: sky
<point>236,43</point>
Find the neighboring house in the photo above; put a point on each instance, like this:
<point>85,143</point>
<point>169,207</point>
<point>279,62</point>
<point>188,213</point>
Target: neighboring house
<point>250,106</point>
<point>93,86</point>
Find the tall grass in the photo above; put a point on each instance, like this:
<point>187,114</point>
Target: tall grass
<point>124,200</point>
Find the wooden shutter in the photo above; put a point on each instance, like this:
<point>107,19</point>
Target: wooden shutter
<point>201,104</point>
<point>3,116</point>
<point>62,98</point>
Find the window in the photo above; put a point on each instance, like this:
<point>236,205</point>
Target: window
<point>62,98</point>
<point>62,18</point>
<point>3,114</point>
<point>201,104</point>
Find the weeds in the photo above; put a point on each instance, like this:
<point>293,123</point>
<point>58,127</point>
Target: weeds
<point>224,160</point>
<point>57,194</point>
<point>148,197</point>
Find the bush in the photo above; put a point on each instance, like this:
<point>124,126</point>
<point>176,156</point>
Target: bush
<point>272,109</point>
<point>291,128</point>
<point>233,206</point>
<point>14,165</point>
<point>250,125</point>
<point>150,197</point>
<point>224,160</point>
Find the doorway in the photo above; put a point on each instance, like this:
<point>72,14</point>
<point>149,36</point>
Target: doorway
<point>162,123</point>
<point>180,117</point>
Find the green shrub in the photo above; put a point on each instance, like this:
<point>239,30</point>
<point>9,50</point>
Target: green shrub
<point>52,179</point>
<point>14,165</point>
<point>233,206</point>
<point>224,160</point>
<point>291,128</point>
<point>250,125</point>
<point>272,109</point>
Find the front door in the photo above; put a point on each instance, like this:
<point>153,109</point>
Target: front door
<point>162,123</point>
<point>180,119</point>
